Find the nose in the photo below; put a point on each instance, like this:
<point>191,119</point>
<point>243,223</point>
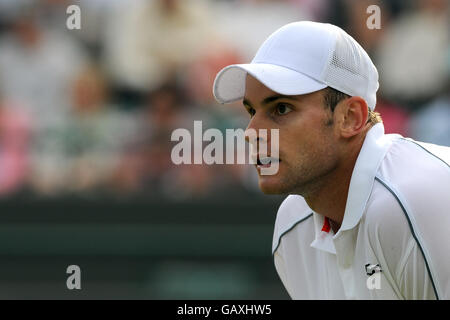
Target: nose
<point>258,135</point>
<point>253,138</point>
<point>252,132</point>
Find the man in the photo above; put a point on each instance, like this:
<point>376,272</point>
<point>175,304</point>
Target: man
<point>368,214</point>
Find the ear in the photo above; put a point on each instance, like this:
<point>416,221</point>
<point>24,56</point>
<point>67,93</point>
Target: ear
<point>352,114</point>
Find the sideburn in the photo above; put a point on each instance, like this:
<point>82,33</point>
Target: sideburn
<point>330,121</point>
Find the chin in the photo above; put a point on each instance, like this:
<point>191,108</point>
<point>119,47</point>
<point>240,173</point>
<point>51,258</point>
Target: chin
<point>272,185</point>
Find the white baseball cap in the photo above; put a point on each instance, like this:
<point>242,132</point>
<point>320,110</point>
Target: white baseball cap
<point>303,57</point>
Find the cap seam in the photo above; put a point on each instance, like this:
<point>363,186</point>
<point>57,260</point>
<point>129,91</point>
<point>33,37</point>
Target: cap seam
<point>330,55</point>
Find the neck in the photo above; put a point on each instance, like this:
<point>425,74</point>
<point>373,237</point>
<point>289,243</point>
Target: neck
<point>330,198</point>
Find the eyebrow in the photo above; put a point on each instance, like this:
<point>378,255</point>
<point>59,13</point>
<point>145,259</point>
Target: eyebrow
<point>271,99</point>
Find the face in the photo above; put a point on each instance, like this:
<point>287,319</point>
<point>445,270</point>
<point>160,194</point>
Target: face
<point>308,143</point>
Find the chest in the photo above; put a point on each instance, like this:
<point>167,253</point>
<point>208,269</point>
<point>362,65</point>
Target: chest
<point>354,272</point>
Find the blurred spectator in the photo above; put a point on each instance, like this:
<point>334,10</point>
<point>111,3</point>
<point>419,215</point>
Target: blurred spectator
<point>147,42</point>
<point>37,65</point>
<point>356,17</point>
<point>146,166</point>
<point>395,118</point>
<point>430,124</point>
<point>200,74</point>
<point>247,23</point>
<point>79,152</point>
<point>412,55</point>
<point>14,147</point>
<point>317,10</point>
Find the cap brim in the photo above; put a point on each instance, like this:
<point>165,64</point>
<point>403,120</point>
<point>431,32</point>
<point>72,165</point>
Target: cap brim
<point>229,85</point>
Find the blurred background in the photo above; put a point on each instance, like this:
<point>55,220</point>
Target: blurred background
<point>85,122</point>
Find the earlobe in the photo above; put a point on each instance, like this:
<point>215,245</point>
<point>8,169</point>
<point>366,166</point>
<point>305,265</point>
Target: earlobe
<point>354,116</point>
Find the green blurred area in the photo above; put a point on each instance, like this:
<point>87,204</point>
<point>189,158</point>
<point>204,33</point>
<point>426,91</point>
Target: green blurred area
<point>138,249</point>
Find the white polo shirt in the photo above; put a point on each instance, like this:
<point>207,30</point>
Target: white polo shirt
<point>397,216</point>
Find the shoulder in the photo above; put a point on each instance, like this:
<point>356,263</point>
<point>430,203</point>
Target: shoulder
<point>417,175</point>
<point>292,211</point>
<point>415,161</point>
<point>437,152</point>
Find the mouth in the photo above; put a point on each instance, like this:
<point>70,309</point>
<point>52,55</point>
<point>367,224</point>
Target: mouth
<point>266,162</point>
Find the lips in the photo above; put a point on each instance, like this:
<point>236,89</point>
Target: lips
<point>266,161</point>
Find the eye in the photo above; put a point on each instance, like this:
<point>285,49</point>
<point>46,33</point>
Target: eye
<point>251,111</point>
<point>282,109</point>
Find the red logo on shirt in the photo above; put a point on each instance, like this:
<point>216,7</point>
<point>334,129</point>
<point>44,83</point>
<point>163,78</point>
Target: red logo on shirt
<point>326,225</point>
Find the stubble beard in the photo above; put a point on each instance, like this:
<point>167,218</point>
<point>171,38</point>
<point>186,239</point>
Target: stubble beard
<point>307,177</point>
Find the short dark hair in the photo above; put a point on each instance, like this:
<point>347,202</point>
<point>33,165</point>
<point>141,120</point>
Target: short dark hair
<point>332,97</point>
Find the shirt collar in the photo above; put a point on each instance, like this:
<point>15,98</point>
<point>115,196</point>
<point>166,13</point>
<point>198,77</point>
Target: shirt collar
<point>373,150</point>
<point>324,239</point>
